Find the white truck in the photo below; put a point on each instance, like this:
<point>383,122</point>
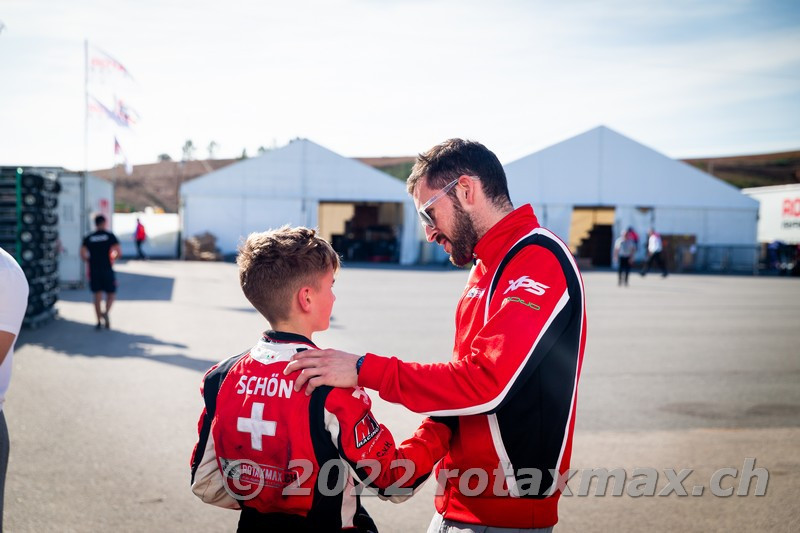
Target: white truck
<point>778,213</point>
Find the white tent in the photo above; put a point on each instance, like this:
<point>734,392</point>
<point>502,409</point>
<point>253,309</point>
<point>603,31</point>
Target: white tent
<point>601,168</point>
<point>286,186</point>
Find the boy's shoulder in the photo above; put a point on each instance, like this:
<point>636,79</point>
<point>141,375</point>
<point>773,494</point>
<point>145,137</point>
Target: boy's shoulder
<point>217,373</point>
<point>347,400</point>
<point>225,365</point>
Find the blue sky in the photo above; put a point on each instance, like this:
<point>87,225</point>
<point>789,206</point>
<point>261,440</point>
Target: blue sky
<point>374,78</point>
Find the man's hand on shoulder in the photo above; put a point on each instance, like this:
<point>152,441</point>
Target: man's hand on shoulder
<point>323,367</point>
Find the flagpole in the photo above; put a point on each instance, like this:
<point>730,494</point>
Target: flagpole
<point>86,106</point>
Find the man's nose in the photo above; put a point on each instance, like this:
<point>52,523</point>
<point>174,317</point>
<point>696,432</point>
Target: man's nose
<point>430,233</point>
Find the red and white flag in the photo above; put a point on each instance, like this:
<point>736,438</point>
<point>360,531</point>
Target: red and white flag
<point>122,115</point>
<point>110,89</point>
<point>102,65</point>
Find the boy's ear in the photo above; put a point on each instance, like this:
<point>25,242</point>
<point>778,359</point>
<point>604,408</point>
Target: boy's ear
<point>304,298</point>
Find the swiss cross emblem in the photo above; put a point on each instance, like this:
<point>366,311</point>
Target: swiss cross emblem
<point>256,426</point>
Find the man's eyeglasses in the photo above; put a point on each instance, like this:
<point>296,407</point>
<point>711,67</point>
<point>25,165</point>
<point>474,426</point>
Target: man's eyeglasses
<point>424,217</point>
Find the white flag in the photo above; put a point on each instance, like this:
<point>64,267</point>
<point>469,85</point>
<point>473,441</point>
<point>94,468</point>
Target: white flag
<point>118,152</point>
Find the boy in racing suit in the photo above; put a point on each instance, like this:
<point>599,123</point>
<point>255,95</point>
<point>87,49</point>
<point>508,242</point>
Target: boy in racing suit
<point>286,459</point>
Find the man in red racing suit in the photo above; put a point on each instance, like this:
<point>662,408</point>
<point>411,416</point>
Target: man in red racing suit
<point>520,337</point>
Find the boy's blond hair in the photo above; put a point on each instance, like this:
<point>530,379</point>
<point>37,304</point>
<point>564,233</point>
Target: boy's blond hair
<point>274,264</point>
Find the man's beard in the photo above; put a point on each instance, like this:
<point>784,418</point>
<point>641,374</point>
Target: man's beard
<point>464,237</point>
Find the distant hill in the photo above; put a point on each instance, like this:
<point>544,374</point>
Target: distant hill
<point>742,171</point>
<point>155,184</point>
<point>399,167</point>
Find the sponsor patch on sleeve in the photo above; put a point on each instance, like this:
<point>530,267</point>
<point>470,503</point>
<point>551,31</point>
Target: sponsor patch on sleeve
<point>527,284</point>
<point>366,429</point>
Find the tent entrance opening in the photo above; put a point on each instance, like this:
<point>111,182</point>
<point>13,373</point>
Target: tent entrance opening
<point>591,234</point>
<point>363,231</point>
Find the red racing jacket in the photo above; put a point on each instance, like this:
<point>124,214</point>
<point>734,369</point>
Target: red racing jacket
<point>512,381</point>
<point>288,460</point>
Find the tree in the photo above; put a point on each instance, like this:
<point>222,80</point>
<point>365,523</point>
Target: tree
<point>244,154</point>
<point>212,147</point>
<point>188,150</point>
<point>164,157</point>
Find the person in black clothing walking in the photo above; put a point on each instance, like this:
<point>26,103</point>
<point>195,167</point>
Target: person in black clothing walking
<point>100,249</point>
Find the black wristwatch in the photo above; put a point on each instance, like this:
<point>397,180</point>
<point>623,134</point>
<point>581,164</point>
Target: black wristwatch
<point>359,363</point>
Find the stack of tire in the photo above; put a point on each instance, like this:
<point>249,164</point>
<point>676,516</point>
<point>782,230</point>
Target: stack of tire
<point>29,232</point>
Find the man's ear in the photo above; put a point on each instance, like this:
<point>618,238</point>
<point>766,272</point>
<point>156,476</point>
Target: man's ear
<point>467,189</point>
<point>304,298</point>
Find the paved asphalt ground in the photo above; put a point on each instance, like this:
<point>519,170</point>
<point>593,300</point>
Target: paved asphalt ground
<point>694,372</point>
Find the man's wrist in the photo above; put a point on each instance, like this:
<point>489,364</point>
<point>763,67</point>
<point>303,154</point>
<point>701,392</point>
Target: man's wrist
<point>359,363</point>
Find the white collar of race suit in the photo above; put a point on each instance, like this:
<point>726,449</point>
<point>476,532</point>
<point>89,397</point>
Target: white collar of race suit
<point>279,347</point>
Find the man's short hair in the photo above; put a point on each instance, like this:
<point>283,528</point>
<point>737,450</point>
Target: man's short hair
<point>99,219</point>
<point>274,264</point>
<point>456,157</point>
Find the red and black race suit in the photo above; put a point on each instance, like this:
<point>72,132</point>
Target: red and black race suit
<point>512,381</point>
<point>287,459</point>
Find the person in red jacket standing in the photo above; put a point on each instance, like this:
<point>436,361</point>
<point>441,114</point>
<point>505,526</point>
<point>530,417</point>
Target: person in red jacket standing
<point>139,236</point>
<point>520,337</point>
